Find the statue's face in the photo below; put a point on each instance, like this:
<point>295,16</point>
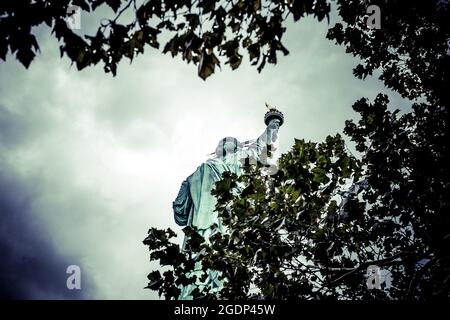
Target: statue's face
<point>229,147</point>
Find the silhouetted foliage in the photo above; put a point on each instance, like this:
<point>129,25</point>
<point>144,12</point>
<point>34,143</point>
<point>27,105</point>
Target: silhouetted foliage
<point>411,49</point>
<point>200,30</point>
<point>311,230</point>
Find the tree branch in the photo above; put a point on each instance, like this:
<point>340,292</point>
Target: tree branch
<point>379,262</point>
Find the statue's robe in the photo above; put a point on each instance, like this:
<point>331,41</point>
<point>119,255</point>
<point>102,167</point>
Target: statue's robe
<point>195,205</point>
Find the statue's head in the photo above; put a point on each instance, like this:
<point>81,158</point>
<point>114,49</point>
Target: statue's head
<point>228,145</point>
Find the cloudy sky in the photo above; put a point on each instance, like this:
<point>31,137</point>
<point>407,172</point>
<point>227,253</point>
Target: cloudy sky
<point>89,162</point>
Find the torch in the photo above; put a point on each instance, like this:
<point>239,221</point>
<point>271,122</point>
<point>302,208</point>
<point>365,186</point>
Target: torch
<point>273,113</point>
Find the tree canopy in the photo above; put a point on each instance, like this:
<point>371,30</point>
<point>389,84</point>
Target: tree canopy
<point>204,32</point>
<point>312,230</point>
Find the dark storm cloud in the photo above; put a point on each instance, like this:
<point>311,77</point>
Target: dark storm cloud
<point>31,267</point>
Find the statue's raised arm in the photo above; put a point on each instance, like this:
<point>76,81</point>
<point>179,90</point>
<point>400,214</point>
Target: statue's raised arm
<point>261,148</point>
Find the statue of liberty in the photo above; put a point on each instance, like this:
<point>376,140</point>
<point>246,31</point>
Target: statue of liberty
<point>195,205</point>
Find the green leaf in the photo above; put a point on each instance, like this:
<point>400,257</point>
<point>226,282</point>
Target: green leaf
<point>207,65</point>
<point>155,280</point>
